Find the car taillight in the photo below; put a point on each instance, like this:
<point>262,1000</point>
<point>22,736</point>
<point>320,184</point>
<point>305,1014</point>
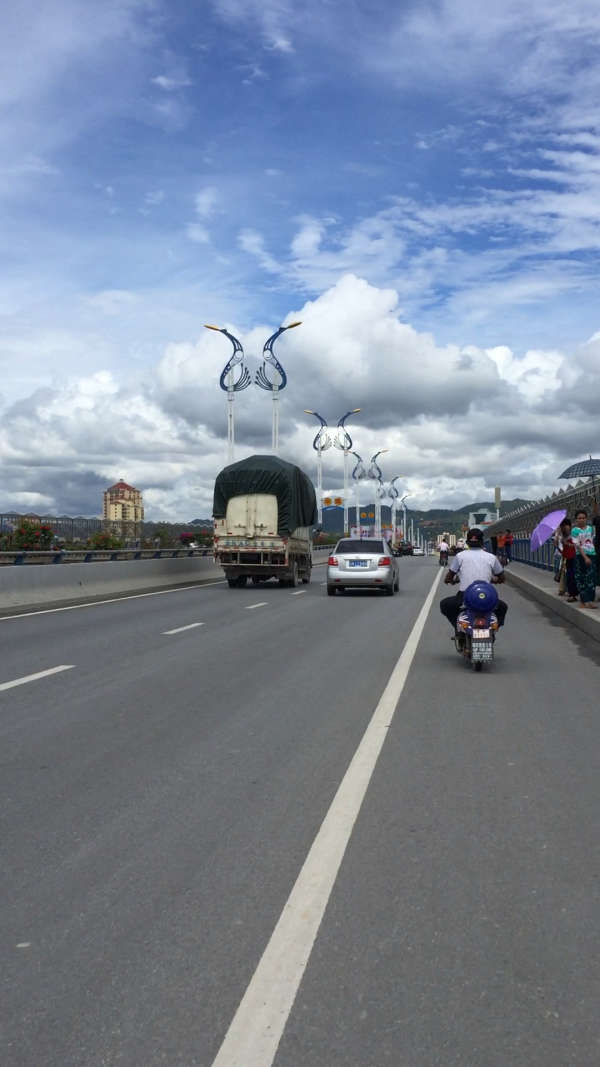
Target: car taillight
<point>384,561</point>
<point>332,561</point>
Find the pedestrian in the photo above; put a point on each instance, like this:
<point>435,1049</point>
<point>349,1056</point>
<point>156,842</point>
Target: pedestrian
<point>596,522</point>
<point>585,559</point>
<point>501,553</point>
<point>564,561</point>
<point>508,543</point>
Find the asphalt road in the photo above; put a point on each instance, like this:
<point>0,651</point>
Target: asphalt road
<point>160,797</point>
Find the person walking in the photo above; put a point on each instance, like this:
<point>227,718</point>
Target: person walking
<point>585,559</point>
<point>565,561</point>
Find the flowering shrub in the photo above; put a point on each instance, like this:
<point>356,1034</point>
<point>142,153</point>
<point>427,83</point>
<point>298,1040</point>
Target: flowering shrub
<point>186,538</point>
<point>30,536</point>
<point>104,540</point>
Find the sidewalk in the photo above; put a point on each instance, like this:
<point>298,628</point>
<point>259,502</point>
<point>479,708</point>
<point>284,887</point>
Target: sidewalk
<point>539,585</point>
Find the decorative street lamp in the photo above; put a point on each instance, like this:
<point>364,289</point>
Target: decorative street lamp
<point>389,491</point>
<point>359,473</point>
<point>278,382</point>
<point>343,441</point>
<point>403,506</point>
<point>321,442</point>
<point>233,382</point>
<point>375,474</point>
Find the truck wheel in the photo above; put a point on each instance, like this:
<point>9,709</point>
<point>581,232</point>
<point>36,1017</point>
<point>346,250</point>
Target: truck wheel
<point>232,583</point>
<point>293,581</point>
<point>305,578</point>
<point>242,581</point>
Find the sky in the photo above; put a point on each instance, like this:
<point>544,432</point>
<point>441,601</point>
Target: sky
<point>418,183</point>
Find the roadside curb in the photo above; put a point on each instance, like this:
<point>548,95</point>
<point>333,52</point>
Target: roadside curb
<point>575,616</point>
<point>14,610</point>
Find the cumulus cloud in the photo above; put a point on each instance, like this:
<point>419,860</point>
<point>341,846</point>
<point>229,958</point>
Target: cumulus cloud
<point>457,420</point>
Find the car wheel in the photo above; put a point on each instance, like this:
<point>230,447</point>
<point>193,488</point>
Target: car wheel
<point>390,590</point>
<point>331,590</point>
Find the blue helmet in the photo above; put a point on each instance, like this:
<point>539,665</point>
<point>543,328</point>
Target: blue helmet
<point>481,596</point>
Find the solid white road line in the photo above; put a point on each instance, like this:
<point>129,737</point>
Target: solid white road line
<point>180,629</point>
<point>255,1031</point>
<point>113,600</point>
<point>34,677</point>
<point>263,604</point>
<point>300,592</point>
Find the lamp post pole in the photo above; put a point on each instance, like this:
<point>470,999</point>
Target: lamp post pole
<point>358,474</point>
<point>321,442</point>
<point>375,474</point>
<point>343,441</point>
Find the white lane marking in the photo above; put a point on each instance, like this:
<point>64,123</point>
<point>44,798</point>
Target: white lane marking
<point>180,629</point>
<point>34,677</point>
<point>300,592</point>
<point>113,600</point>
<point>255,1031</point>
<point>263,604</point>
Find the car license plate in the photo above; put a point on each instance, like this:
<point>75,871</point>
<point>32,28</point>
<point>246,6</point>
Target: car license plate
<point>358,562</point>
<point>481,635</point>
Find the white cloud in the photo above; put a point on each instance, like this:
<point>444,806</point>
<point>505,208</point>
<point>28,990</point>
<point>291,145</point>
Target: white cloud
<point>198,233</point>
<point>424,401</point>
<point>206,201</point>
<point>253,242</point>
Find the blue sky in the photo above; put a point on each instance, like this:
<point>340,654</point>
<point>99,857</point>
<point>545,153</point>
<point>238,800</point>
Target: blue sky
<point>419,182</point>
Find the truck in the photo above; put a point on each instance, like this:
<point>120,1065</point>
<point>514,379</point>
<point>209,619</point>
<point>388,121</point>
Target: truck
<point>263,511</point>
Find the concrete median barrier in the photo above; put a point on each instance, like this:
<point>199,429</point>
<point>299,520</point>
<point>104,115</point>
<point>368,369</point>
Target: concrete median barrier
<point>39,584</point>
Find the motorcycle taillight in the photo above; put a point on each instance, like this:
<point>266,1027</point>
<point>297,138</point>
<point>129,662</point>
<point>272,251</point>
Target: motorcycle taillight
<point>481,624</point>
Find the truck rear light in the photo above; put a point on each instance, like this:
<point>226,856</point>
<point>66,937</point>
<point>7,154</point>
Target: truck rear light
<point>384,561</point>
<point>332,561</point>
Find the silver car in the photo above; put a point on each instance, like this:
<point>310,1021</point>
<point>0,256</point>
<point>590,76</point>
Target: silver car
<point>365,564</point>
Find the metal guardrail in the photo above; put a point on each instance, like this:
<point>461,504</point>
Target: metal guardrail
<point>525,519</point>
<point>21,557</point>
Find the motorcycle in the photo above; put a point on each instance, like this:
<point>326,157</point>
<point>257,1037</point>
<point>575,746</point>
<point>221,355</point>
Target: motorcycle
<point>443,558</point>
<point>477,624</point>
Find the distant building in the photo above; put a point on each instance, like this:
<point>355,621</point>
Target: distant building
<point>123,503</point>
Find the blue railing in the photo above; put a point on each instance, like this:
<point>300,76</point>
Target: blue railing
<point>19,557</point>
<point>521,552</point>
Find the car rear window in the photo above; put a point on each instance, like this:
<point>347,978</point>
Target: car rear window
<point>350,548</point>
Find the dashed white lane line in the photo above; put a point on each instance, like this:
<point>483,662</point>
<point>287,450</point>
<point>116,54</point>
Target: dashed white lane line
<point>263,604</point>
<point>34,677</point>
<point>258,1024</point>
<point>300,592</point>
<point>180,629</point>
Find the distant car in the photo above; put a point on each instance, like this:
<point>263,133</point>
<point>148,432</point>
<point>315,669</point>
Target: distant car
<point>368,563</point>
<point>418,551</point>
<point>406,548</point>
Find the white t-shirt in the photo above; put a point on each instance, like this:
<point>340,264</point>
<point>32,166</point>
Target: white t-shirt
<point>476,565</point>
<point>443,547</point>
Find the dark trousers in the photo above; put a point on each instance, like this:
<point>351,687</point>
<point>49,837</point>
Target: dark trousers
<point>570,577</point>
<point>450,607</point>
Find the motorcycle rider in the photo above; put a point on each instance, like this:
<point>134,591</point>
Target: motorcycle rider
<point>466,567</point>
<point>444,548</point>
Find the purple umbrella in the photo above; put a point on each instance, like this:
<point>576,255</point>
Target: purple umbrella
<point>546,528</point>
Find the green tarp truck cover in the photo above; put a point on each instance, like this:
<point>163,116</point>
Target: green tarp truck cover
<point>296,500</point>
